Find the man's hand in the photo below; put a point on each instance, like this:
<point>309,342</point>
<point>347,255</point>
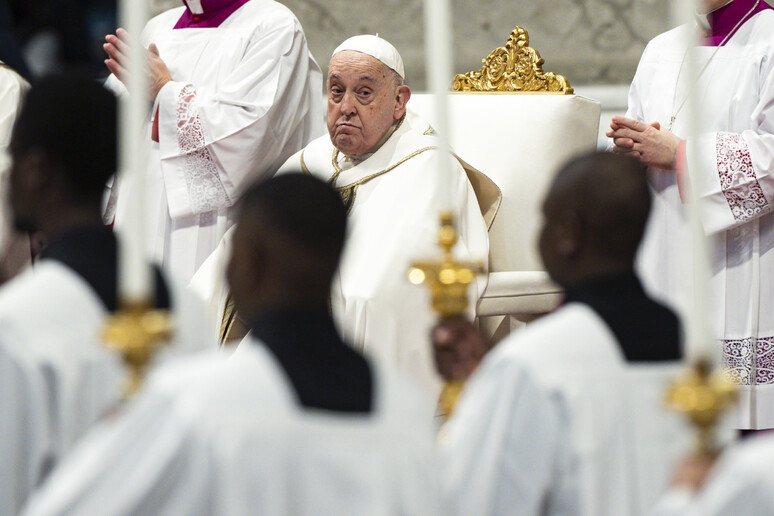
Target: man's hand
<point>692,471</point>
<point>458,348</point>
<point>652,145</point>
<point>117,48</point>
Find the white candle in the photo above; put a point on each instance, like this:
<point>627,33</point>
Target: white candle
<point>134,279</point>
<point>438,66</point>
<point>699,340</point>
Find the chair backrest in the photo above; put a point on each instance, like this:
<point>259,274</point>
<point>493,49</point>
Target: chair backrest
<point>519,141</point>
<point>517,124</point>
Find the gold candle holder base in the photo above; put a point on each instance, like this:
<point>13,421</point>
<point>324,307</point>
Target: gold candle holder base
<point>137,332</point>
<point>448,280</point>
<point>703,395</point>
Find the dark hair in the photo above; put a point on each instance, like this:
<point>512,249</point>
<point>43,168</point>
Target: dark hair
<point>73,119</point>
<point>302,208</point>
<point>612,195</point>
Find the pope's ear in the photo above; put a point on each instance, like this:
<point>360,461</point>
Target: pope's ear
<point>402,96</point>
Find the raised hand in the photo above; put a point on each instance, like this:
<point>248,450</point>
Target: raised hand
<point>117,48</point>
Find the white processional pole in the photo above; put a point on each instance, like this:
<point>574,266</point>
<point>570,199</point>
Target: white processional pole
<point>438,66</point>
<point>137,329</point>
<point>699,341</point>
<point>134,284</point>
<point>703,394</point>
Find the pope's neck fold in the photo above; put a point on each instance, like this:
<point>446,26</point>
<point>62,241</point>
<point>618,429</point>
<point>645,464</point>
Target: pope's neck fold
<point>207,13</point>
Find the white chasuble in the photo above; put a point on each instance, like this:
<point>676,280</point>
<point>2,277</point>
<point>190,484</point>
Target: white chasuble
<point>395,197</point>
<point>56,377</point>
<point>555,422</point>
<point>217,436</point>
<point>243,97</point>
<point>735,187</point>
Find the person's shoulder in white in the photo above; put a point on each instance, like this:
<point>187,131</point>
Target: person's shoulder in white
<point>571,336</point>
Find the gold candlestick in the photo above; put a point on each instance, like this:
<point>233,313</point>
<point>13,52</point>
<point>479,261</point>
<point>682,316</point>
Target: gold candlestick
<point>702,395</point>
<point>137,332</point>
<point>448,280</point>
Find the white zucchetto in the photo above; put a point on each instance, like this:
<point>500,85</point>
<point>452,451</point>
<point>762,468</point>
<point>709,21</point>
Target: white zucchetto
<point>374,46</point>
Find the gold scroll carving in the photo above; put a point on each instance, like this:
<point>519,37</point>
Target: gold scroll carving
<point>514,68</point>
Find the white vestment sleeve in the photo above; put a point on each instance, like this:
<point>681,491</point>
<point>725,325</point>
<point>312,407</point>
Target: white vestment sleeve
<point>215,140</point>
<point>24,422</point>
<point>734,180</point>
<point>505,452</point>
<point>146,461</point>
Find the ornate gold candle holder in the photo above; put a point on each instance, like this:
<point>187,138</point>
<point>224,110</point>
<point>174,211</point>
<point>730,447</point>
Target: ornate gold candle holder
<point>448,280</point>
<point>703,395</point>
<point>137,332</point>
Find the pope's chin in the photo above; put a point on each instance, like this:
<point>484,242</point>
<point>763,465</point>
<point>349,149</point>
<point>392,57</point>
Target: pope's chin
<point>346,143</point>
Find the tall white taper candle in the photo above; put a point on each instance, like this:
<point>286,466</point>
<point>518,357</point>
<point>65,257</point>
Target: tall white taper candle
<point>134,282</point>
<point>698,338</point>
<point>438,66</point>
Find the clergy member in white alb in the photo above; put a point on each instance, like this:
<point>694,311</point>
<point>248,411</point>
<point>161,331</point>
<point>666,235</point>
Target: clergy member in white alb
<point>235,92</point>
<point>566,416</point>
<point>383,160</point>
<point>56,377</point>
<point>734,151</point>
<point>294,422</point>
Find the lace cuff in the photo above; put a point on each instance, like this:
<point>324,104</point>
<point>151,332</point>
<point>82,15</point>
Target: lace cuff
<point>205,190</point>
<point>738,181</point>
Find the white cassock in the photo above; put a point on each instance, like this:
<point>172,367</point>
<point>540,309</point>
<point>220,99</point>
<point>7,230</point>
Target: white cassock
<point>56,378</point>
<point>741,483</point>
<point>217,436</point>
<point>555,422</point>
<point>735,187</point>
<point>398,193</point>
<point>244,97</point>
<point>14,248</point>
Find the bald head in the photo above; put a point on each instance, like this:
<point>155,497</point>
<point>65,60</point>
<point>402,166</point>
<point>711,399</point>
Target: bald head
<point>595,215</point>
<point>287,244</point>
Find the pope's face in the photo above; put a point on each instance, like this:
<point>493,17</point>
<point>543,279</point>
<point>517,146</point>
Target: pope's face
<point>363,101</point>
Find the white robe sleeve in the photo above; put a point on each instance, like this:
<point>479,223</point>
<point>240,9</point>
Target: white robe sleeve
<point>147,461</point>
<point>214,142</point>
<point>504,452</point>
<point>25,437</point>
<point>734,180</point>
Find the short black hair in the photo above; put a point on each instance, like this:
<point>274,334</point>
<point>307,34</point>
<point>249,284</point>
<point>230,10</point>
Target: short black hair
<point>611,194</point>
<point>73,119</point>
<point>302,208</point>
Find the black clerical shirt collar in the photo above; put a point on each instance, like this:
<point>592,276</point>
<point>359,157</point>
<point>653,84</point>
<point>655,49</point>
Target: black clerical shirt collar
<point>91,252</point>
<point>325,372</point>
<point>646,330</point>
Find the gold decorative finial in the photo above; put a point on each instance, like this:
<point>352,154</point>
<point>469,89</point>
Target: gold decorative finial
<point>703,396</point>
<point>137,332</point>
<point>514,68</point>
<point>448,280</point>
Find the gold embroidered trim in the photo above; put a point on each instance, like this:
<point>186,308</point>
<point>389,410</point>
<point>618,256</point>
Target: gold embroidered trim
<point>303,163</point>
<point>348,192</point>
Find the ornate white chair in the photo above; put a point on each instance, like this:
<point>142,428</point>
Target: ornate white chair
<point>518,125</point>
